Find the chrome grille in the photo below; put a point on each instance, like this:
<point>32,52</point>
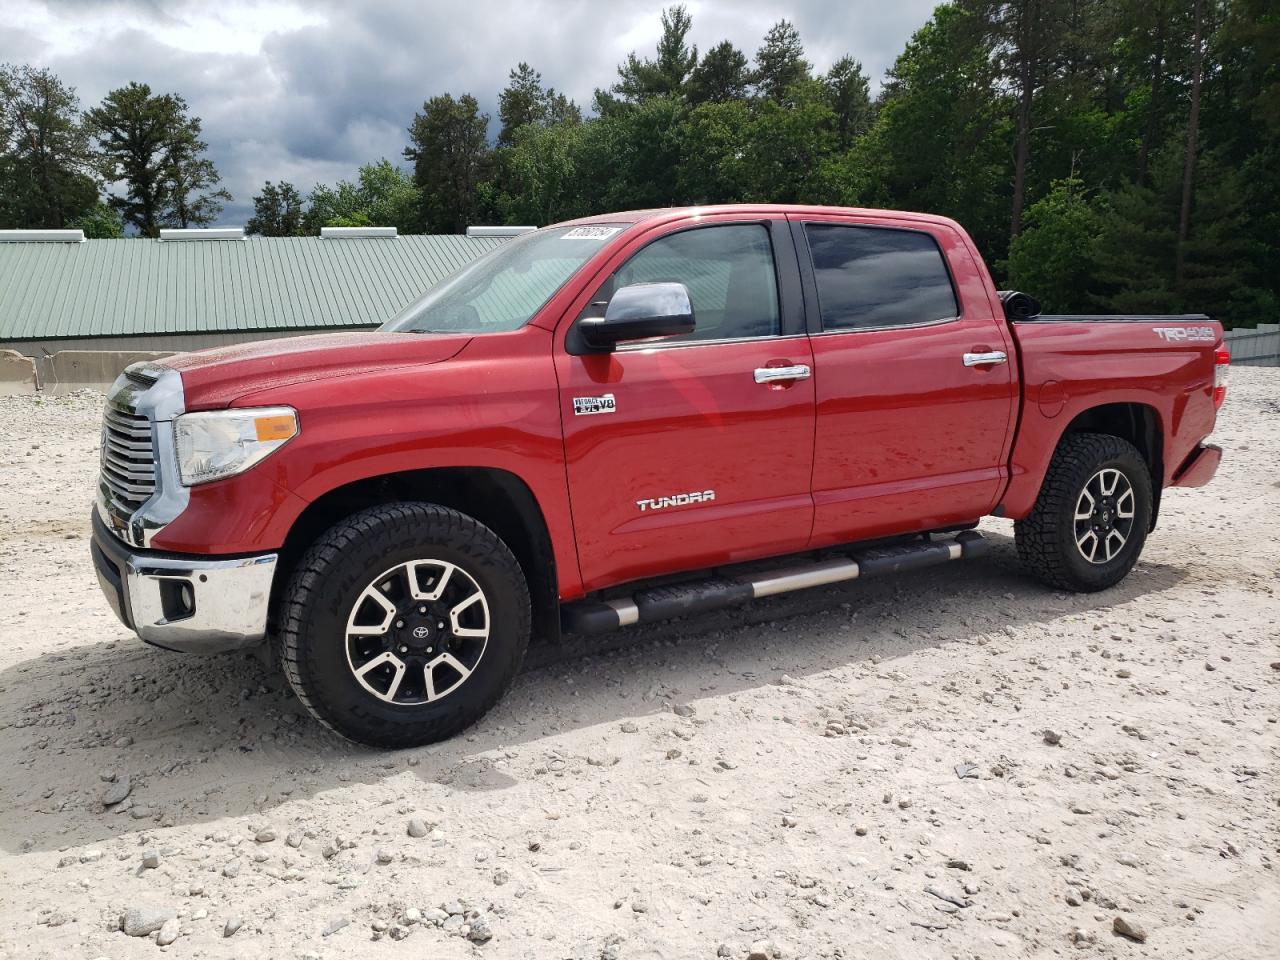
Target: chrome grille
<point>128,457</point>
<point>139,490</point>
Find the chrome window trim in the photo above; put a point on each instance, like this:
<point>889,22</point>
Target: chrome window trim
<point>637,346</point>
<point>1104,319</point>
<point>888,326</point>
<point>160,400</point>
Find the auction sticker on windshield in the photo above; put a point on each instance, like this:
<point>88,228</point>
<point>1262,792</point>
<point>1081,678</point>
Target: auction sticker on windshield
<point>590,233</point>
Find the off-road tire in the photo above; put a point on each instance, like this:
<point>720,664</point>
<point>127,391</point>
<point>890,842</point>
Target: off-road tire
<point>1046,538</point>
<point>331,575</point>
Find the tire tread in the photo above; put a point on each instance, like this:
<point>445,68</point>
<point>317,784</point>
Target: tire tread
<point>327,553</point>
<point>1040,547</point>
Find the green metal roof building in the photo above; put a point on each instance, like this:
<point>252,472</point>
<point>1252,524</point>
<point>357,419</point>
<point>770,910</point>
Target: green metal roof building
<point>198,288</point>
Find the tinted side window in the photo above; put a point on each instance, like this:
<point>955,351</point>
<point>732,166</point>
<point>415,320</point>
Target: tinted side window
<point>873,277</point>
<point>728,271</point>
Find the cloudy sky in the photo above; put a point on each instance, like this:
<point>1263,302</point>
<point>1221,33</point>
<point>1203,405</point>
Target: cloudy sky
<point>307,91</point>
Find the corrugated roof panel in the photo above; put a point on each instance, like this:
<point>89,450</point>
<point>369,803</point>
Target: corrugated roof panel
<point>138,287</point>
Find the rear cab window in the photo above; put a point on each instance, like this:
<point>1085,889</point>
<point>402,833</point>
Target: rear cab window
<point>871,277</point>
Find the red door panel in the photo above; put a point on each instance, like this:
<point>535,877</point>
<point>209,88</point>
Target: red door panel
<point>908,437</point>
<point>689,420</point>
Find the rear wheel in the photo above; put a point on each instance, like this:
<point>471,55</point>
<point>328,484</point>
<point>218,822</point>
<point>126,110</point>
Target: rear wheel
<point>1090,522</point>
<point>404,624</point>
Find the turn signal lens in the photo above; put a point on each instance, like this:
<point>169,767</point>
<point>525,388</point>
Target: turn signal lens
<point>275,428</point>
<point>1222,365</point>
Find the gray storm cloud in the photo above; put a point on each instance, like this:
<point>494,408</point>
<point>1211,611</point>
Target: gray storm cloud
<point>326,86</point>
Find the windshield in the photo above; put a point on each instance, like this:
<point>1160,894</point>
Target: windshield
<point>503,289</point>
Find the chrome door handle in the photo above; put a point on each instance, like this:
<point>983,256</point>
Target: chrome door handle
<point>770,374</point>
<point>981,359</point>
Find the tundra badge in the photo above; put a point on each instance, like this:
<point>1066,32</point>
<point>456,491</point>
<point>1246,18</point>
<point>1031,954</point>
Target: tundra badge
<point>585,406</point>
<point>678,500</point>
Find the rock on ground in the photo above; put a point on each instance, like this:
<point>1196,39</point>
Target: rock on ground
<point>143,919</point>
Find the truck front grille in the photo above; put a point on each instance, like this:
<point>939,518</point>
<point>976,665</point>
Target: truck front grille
<point>128,457</point>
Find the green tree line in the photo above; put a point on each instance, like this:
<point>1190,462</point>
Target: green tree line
<point>56,158</point>
<point>1119,155</point>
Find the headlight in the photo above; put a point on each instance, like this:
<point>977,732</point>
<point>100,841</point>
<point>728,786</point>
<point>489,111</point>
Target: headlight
<point>222,443</point>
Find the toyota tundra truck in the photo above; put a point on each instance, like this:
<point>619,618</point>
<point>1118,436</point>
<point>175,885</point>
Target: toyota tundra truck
<point>626,418</point>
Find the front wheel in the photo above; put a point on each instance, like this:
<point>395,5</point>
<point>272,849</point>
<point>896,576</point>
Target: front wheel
<point>404,624</point>
<point>1090,521</point>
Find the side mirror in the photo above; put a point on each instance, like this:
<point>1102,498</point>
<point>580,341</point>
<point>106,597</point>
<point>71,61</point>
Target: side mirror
<point>638,312</point>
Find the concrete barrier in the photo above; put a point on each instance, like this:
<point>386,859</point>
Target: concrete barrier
<point>17,373</point>
<point>94,369</point>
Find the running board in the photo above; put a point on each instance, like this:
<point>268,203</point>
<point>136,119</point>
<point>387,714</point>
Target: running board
<point>714,593</point>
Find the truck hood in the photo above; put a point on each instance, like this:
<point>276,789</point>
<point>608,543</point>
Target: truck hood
<point>214,378</point>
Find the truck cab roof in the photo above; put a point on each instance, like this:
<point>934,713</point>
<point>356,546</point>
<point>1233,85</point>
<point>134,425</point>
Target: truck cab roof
<point>758,209</point>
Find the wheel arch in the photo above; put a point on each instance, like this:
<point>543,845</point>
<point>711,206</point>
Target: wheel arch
<point>1139,424</point>
<point>499,499</point>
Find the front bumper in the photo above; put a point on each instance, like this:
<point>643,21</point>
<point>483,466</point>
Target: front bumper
<point>184,603</point>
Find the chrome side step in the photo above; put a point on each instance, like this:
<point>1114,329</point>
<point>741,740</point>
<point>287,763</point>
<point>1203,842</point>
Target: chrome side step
<point>714,593</point>
<point>805,576</point>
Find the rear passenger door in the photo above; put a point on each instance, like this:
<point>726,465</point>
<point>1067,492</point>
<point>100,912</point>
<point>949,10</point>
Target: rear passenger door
<point>696,450</point>
<point>912,431</point>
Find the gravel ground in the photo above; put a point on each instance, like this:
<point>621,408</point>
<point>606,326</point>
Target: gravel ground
<point>954,763</point>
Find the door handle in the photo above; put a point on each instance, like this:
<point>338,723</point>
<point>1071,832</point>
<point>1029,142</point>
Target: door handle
<point>799,371</point>
<point>982,359</point>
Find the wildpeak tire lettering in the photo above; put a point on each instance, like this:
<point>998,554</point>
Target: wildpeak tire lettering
<point>677,500</point>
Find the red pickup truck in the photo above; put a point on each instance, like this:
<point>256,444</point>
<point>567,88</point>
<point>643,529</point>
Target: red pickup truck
<point>624,418</point>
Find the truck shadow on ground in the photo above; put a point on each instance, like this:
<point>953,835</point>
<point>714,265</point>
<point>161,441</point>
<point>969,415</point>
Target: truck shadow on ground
<point>206,738</point>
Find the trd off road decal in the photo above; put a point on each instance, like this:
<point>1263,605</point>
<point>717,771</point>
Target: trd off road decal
<point>1185,334</point>
<point>585,406</point>
<point>678,500</point>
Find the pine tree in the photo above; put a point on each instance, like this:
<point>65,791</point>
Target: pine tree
<point>780,62</point>
<point>521,103</point>
<point>1137,236</point>
<point>277,211</point>
<point>668,73</point>
<point>195,197</point>
<point>150,145</point>
<point>848,94</point>
<point>47,175</point>
<point>721,76</point>
<point>450,154</point>
<point>524,102</point>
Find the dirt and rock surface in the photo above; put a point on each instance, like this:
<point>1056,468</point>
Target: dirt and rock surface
<point>956,763</point>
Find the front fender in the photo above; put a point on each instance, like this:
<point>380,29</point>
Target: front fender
<point>494,406</point>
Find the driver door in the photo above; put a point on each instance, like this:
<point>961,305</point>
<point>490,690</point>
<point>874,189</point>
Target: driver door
<point>697,450</point>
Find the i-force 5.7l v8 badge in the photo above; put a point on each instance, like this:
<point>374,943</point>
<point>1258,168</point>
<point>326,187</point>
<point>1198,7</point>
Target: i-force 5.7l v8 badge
<point>584,406</point>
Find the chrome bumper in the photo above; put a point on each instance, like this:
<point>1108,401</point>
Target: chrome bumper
<point>184,603</point>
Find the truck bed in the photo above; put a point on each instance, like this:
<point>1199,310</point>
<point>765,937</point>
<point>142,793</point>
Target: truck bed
<point>1161,366</point>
